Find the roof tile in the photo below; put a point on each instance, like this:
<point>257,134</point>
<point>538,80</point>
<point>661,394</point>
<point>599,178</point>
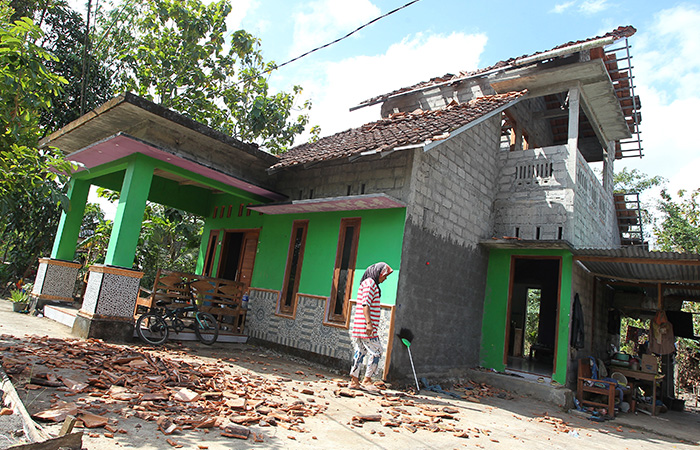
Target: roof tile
<point>397,130</point>
<point>618,33</point>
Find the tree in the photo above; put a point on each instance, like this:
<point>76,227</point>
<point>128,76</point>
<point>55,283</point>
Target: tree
<point>169,240</point>
<point>31,179</point>
<point>635,181</point>
<point>679,227</point>
<point>65,37</point>
<point>178,53</point>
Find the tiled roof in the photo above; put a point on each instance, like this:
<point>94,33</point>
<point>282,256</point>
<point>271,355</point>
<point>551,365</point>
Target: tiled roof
<point>395,131</point>
<point>618,33</point>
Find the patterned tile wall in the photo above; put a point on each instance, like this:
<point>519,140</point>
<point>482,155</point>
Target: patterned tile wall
<point>118,295</point>
<point>306,331</point>
<point>55,280</point>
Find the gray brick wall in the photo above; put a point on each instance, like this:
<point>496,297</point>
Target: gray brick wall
<point>454,185</point>
<point>595,222</point>
<point>534,191</point>
<point>387,175</point>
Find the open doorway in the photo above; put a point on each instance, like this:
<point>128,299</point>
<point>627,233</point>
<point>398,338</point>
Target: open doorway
<point>533,311</point>
<point>237,258</point>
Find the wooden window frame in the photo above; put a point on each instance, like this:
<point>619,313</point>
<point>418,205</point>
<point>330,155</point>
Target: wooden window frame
<point>282,308</point>
<point>331,316</point>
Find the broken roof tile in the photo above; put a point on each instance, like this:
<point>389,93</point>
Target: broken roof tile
<point>395,131</point>
<point>618,33</point>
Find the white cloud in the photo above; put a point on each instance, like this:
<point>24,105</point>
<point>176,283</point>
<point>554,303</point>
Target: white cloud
<point>239,10</point>
<point>587,7</point>
<point>562,7</point>
<point>667,73</point>
<point>593,6</point>
<point>340,85</point>
<point>325,20</point>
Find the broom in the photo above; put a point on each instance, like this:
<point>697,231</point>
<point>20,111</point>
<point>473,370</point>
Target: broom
<point>406,337</point>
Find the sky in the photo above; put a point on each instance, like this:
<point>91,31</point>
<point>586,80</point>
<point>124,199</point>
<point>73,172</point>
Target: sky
<point>434,37</point>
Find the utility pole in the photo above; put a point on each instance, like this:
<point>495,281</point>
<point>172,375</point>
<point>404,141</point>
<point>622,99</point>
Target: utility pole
<point>83,81</point>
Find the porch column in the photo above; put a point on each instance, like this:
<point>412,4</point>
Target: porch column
<point>129,216</point>
<point>571,162</point>
<point>112,289</point>
<point>71,219</point>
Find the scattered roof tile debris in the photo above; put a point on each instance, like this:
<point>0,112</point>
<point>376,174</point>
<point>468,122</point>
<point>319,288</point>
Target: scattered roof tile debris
<point>397,130</point>
<point>179,392</point>
<point>618,33</point>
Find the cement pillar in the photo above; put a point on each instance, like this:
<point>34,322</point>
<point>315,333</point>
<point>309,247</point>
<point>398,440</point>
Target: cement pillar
<point>55,281</point>
<point>129,216</point>
<point>71,220</point>
<point>108,304</point>
<point>571,161</point>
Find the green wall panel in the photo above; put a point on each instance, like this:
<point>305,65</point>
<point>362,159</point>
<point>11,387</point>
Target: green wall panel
<point>381,234</point>
<point>495,320</point>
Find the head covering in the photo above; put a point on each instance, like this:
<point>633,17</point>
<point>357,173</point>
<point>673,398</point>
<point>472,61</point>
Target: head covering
<point>375,271</point>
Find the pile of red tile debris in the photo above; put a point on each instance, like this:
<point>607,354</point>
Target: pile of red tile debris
<point>179,392</point>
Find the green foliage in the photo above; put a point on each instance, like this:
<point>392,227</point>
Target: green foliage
<point>94,236</point>
<point>532,319</point>
<point>64,37</point>
<point>679,227</point>
<point>169,240</point>
<point>31,179</point>
<point>178,53</point>
<point>18,296</point>
<point>635,181</point>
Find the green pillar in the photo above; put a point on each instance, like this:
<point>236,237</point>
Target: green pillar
<point>132,204</point>
<point>69,226</point>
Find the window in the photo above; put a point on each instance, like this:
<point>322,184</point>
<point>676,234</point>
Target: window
<point>344,270</point>
<point>295,256</point>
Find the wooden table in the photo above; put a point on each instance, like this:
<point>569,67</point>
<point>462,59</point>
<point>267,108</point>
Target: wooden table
<point>642,376</point>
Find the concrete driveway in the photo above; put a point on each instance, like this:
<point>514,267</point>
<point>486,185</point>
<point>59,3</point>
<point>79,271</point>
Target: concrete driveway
<point>194,396</point>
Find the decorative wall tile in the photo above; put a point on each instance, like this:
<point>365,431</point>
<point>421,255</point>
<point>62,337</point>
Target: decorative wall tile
<point>118,295</point>
<point>306,331</point>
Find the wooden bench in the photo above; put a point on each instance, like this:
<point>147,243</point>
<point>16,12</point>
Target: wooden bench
<point>219,297</point>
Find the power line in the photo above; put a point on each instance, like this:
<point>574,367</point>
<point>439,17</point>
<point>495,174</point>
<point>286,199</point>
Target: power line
<point>341,38</point>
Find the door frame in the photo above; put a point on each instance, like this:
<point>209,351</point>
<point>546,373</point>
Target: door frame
<point>510,299</point>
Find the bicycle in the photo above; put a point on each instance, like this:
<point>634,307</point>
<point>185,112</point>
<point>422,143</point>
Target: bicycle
<point>153,328</point>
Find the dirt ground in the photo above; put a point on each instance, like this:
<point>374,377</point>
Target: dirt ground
<point>198,397</point>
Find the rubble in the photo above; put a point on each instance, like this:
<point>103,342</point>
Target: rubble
<point>178,392</point>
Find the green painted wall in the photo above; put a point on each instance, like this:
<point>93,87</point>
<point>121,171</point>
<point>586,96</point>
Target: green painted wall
<point>381,234</point>
<point>493,333</point>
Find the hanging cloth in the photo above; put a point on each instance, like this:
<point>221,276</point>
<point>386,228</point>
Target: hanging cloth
<point>577,329</point>
<point>661,338</point>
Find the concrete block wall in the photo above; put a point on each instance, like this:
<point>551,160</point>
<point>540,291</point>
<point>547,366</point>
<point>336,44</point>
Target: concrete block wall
<point>595,299</point>
<point>454,185</point>
<point>387,175</point>
<point>443,269</point>
<point>595,222</point>
<point>535,191</point>
<point>438,97</point>
<point>538,130</point>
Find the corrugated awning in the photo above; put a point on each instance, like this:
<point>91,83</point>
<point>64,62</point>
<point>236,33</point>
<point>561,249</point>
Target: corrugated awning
<point>348,203</point>
<point>677,273</point>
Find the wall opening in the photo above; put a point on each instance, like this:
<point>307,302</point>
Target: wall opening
<point>534,308</point>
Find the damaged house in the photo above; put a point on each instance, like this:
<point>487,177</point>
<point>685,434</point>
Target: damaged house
<point>478,188</point>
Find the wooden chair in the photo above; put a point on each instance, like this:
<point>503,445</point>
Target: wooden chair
<point>587,384</point>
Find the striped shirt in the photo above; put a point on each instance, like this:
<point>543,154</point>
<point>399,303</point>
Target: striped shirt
<point>368,294</point>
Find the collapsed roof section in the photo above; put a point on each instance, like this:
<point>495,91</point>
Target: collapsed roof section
<point>609,105</point>
<point>399,131</point>
<point>568,48</point>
